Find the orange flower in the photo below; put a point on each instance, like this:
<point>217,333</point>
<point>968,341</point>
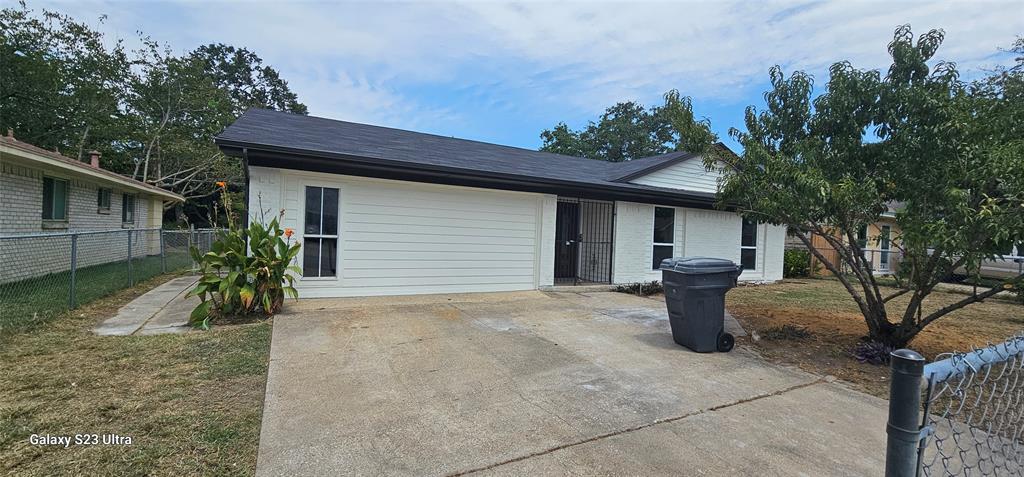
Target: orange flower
<point>288,232</point>
<point>222,184</point>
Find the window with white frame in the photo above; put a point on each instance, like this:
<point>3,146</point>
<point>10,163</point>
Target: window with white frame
<point>55,199</point>
<point>664,234</point>
<point>320,234</point>
<point>127,209</point>
<point>748,245</point>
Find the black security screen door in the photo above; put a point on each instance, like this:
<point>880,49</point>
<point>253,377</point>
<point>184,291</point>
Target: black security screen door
<point>583,241</point>
<point>567,233</point>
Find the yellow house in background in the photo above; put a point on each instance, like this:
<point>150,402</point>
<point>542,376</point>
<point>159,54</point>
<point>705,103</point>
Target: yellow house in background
<point>879,241</point>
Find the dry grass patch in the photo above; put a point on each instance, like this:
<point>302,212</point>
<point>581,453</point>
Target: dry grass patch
<point>192,403</point>
<point>833,326</point>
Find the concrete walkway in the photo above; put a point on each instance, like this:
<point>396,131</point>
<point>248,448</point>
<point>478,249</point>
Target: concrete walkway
<point>542,383</point>
<point>164,309</point>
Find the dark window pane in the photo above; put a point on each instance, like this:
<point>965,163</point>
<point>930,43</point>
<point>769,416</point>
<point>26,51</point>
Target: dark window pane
<point>748,258</point>
<point>661,252</point>
<point>862,236</point>
<point>127,208</point>
<point>664,224</point>
<point>328,258</point>
<point>60,200</point>
<point>749,235</point>
<point>310,257</point>
<point>47,198</point>
<point>103,199</point>
<point>313,210</point>
<point>330,212</point>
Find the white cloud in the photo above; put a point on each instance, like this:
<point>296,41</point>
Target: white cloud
<point>371,61</point>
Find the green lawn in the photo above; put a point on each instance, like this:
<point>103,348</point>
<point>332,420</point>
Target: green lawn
<point>27,303</point>
<point>191,403</point>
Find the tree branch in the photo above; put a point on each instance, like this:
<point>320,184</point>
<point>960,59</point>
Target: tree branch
<point>975,298</point>
<point>897,294</point>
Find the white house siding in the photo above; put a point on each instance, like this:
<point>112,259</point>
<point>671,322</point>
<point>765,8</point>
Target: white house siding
<point>686,175</point>
<point>401,238</point>
<point>21,198</point>
<point>704,233</point>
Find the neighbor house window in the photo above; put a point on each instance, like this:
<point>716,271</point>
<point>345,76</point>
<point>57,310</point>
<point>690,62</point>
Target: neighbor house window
<point>320,235</point>
<point>55,199</point>
<point>748,245</point>
<point>103,201</point>
<point>127,209</point>
<point>664,231</point>
<point>862,237</point>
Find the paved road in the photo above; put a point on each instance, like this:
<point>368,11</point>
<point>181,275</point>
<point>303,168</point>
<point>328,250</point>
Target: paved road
<point>541,383</point>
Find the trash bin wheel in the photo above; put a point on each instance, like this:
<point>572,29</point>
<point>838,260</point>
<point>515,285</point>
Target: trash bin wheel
<point>725,342</point>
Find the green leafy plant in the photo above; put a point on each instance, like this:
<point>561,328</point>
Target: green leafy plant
<point>246,271</point>
<point>796,263</point>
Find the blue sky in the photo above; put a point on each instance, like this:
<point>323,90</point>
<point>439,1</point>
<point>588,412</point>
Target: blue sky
<point>503,72</point>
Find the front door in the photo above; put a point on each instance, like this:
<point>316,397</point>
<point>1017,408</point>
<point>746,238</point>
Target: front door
<point>567,231</point>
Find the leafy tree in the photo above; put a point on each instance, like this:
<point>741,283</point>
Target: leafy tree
<point>152,114</point>
<point>248,81</point>
<point>175,109</point>
<point>950,153</point>
<point>60,87</point>
<point>629,131</point>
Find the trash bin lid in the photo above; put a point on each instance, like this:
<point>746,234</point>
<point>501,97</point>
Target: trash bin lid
<point>699,265</point>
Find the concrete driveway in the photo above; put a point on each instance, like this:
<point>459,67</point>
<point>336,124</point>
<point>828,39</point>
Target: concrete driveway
<point>541,383</point>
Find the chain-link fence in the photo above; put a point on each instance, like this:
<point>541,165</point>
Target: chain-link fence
<point>962,415</point>
<point>42,275</point>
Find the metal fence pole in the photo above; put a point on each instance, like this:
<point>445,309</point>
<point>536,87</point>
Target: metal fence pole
<point>904,414</point>
<point>189,248</point>
<point>130,281</point>
<point>74,268</point>
<point>163,253</point>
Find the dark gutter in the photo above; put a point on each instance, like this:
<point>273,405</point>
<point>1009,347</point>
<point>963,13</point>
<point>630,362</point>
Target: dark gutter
<point>336,163</point>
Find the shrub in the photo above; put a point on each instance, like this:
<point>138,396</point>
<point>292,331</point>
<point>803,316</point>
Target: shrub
<point>246,271</point>
<point>641,288</point>
<point>872,352</point>
<point>796,263</point>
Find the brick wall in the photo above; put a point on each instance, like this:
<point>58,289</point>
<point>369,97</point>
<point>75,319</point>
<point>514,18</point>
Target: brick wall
<point>21,202</point>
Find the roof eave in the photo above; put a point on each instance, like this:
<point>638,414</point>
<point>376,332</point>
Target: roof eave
<point>89,172</point>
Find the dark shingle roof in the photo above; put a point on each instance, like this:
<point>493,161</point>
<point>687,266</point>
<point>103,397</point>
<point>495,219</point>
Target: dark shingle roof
<point>315,136</point>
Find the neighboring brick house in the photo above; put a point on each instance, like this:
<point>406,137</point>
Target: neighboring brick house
<point>43,192</point>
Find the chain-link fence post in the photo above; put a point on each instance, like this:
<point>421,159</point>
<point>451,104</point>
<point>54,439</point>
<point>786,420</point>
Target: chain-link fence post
<point>904,414</point>
<point>74,268</point>
<point>163,253</point>
<point>130,281</point>
<point>191,231</point>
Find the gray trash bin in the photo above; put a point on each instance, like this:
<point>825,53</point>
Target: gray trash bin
<point>695,295</point>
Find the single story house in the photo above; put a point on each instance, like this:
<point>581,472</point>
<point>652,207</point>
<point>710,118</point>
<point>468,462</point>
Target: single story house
<point>879,242</point>
<point>384,211</point>
<point>44,196</point>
